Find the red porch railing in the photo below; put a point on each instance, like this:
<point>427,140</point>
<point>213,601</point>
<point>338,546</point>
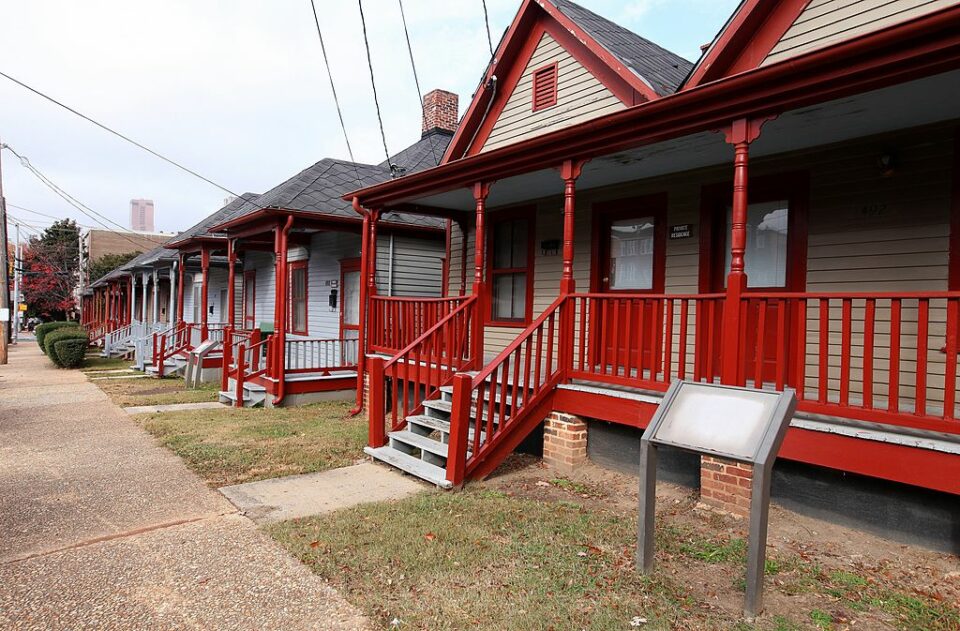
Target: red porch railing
<point>252,360</point>
<point>320,355</point>
<point>394,322</point>
<point>426,364</point>
<point>882,357</point>
<point>506,394</point>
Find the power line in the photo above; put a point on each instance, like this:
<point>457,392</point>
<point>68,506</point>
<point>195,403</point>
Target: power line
<point>83,208</point>
<point>44,223</point>
<point>373,83</point>
<point>486,20</point>
<point>416,80</point>
<point>333,88</point>
<point>118,134</point>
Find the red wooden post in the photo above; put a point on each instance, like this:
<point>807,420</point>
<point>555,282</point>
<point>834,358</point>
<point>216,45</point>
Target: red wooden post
<point>205,270</point>
<point>569,171</point>
<point>280,309</point>
<point>255,359</point>
<point>362,319</point>
<point>740,134</point>
<point>480,192</point>
<point>181,265</point>
<point>231,282</point>
<point>376,412</point>
<point>227,360</point>
<point>460,428</point>
<point>241,368</point>
<point>161,359</point>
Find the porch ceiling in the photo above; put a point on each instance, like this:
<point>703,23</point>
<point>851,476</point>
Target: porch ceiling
<point>925,101</point>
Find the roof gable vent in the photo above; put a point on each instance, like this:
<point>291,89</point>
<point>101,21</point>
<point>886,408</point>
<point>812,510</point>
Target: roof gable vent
<point>545,87</point>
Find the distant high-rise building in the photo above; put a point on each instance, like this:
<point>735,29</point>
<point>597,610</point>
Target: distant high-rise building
<point>141,215</point>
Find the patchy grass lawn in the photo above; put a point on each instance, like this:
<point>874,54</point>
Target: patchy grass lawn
<point>486,559</point>
<point>94,362</point>
<point>150,391</point>
<point>230,445</point>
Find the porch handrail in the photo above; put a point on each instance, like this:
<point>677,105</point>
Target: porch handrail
<point>394,321</point>
<point>430,361</point>
<point>252,361</point>
<point>497,401</point>
<point>305,354</point>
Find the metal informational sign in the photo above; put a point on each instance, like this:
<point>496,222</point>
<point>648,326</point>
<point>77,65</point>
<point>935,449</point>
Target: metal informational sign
<point>741,424</point>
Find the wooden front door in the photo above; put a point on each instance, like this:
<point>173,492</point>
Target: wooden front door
<point>775,261</point>
<point>350,298</point>
<point>249,300</point>
<point>630,246</point>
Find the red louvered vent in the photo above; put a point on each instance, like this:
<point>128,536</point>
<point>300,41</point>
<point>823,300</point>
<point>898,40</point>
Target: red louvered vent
<point>545,87</point>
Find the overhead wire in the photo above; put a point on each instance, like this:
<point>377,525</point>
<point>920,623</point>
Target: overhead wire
<point>486,20</point>
<point>117,134</point>
<point>333,89</point>
<point>83,208</point>
<point>373,83</point>
<point>416,80</point>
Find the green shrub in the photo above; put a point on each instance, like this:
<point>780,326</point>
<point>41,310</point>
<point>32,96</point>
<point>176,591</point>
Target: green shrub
<point>41,331</point>
<point>63,333</point>
<point>71,352</point>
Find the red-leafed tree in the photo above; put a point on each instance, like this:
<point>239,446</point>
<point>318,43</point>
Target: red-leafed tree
<point>50,268</point>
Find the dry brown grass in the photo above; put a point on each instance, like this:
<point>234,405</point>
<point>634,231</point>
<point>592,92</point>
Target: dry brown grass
<point>150,391</point>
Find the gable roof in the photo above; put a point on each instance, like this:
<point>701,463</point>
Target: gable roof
<point>632,68</point>
<point>201,228</point>
<point>660,68</point>
<point>320,188</point>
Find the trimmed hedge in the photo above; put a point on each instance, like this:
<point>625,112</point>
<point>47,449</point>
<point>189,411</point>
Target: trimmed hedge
<point>41,331</point>
<point>71,352</point>
<point>63,333</point>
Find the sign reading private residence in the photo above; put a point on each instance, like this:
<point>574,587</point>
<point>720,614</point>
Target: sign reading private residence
<point>743,424</point>
<point>681,231</point>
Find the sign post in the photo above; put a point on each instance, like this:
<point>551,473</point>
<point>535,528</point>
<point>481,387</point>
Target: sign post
<point>741,424</point>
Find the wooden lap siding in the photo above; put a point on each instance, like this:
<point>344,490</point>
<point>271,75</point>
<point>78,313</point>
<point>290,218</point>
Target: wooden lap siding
<point>825,22</point>
<point>865,233</point>
<point>580,96</point>
<point>417,268</point>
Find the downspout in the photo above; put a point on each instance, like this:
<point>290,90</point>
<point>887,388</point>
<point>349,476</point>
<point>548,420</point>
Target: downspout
<point>362,320</point>
<point>281,332</point>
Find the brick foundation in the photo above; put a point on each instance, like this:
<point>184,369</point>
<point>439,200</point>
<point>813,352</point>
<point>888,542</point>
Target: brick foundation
<point>726,485</point>
<point>564,441</point>
<point>366,393</point>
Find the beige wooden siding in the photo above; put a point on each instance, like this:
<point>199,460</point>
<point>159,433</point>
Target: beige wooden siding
<point>866,233</point>
<point>825,22</point>
<point>580,97</point>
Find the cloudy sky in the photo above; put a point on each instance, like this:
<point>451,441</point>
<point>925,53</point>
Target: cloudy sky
<point>236,89</point>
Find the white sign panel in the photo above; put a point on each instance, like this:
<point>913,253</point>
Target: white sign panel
<point>4,315</point>
<point>725,421</point>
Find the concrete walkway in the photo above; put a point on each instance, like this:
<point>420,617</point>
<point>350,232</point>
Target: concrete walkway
<point>293,496</point>
<point>101,528</point>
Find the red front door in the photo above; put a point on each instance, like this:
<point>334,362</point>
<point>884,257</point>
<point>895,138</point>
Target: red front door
<point>630,246</point>
<point>775,261</point>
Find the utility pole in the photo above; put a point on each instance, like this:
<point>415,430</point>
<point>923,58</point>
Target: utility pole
<point>17,276</point>
<point>4,272</point>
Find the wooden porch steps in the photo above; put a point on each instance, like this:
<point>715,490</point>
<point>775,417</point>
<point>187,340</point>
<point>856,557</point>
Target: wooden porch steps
<point>421,448</point>
<point>254,395</point>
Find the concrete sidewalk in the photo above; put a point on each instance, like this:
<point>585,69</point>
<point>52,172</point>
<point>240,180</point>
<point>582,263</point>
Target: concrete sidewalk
<point>101,528</point>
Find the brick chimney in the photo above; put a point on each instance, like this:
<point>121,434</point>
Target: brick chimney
<point>439,111</point>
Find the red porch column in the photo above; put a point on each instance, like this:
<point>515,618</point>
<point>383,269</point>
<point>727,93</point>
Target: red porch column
<point>205,270</point>
<point>231,280</point>
<point>480,192</point>
<point>740,134</point>
<point>130,295</point>
<point>362,319</point>
<point>569,171</point>
<point>181,267</point>
<point>280,308</point>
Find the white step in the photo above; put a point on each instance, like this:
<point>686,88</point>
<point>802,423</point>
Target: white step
<point>410,464</point>
<point>419,442</point>
<point>432,424</point>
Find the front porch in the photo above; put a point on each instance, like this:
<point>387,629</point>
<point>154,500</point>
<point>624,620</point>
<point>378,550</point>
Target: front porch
<point>824,266</point>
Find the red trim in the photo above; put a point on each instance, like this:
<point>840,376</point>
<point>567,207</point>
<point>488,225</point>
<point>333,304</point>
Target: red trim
<point>747,39</point>
<point>445,269</point>
<point>626,208</point>
<point>925,46</point>
<point>528,213</point>
<point>249,281</point>
<point>518,47</point>
<point>544,92</point>
<point>293,267</point>
<point>794,187</point>
<point>954,282</point>
<point>348,265</point>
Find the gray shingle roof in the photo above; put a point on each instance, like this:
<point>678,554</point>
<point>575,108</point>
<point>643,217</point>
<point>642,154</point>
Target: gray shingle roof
<point>423,154</point>
<point>234,208</point>
<point>320,187</point>
<point>661,69</point>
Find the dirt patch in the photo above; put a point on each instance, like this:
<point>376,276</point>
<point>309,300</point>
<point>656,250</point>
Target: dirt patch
<point>147,391</point>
